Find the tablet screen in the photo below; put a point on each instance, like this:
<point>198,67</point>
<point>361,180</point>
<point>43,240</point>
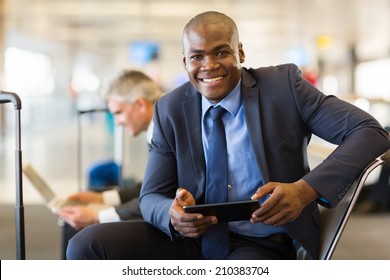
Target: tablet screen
<point>227,211</point>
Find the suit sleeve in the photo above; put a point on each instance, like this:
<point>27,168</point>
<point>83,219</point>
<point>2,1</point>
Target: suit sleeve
<point>127,194</point>
<point>129,207</point>
<point>360,138</point>
<point>129,210</point>
<point>160,180</point>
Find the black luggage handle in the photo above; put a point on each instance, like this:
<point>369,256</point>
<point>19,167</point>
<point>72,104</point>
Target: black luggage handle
<point>6,97</point>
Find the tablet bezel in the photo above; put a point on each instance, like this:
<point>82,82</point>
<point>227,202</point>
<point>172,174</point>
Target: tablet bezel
<point>227,211</point>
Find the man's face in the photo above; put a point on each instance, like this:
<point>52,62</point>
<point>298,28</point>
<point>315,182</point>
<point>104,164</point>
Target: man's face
<point>212,57</point>
<point>127,114</point>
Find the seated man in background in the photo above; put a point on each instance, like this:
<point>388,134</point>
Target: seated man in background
<point>130,98</point>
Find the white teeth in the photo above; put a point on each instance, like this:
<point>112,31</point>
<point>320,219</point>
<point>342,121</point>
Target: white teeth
<point>212,80</point>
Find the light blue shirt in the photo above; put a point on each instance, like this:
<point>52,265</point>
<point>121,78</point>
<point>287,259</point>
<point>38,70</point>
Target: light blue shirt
<point>244,176</point>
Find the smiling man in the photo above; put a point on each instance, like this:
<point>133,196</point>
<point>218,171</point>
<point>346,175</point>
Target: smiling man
<point>212,55</point>
<point>268,117</point>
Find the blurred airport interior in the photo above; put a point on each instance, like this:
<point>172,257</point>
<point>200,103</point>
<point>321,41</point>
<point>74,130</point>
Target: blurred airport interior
<point>59,56</point>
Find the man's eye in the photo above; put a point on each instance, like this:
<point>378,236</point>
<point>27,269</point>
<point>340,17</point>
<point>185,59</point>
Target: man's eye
<point>222,53</point>
<point>196,57</point>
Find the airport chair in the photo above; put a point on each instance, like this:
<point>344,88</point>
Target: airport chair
<point>334,220</point>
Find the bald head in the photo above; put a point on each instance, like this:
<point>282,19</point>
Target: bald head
<point>212,18</point>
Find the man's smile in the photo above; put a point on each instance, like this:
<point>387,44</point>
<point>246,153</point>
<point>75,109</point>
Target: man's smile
<point>210,80</point>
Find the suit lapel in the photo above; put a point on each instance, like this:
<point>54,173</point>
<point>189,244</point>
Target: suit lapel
<point>251,103</point>
<point>192,116</point>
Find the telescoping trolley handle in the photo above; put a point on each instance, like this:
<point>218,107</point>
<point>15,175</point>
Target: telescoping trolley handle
<point>6,97</point>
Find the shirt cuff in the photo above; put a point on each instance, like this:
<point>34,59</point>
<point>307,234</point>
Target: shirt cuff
<point>174,232</point>
<point>111,198</point>
<point>323,202</point>
<point>108,215</point>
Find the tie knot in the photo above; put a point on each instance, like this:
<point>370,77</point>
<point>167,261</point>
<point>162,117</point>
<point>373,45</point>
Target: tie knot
<point>217,112</point>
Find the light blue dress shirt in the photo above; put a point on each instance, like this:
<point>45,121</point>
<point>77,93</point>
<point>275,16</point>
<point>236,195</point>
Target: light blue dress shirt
<point>244,176</point>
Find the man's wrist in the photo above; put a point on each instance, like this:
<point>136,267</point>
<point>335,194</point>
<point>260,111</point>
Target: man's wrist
<point>309,193</point>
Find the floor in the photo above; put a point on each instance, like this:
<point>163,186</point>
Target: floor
<point>54,152</point>
<point>42,234</point>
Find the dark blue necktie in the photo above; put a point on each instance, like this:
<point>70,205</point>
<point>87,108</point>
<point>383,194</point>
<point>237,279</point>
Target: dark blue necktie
<point>215,241</point>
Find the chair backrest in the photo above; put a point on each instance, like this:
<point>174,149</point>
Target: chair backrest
<point>334,220</point>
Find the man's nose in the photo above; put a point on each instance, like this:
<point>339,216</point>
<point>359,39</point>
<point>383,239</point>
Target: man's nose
<point>210,62</point>
<point>117,120</point>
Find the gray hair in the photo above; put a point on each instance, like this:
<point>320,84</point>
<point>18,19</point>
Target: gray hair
<point>131,84</point>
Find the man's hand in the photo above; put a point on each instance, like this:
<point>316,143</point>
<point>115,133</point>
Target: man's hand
<point>87,197</point>
<point>188,225</point>
<point>285,202</point>
<point>78,216</point>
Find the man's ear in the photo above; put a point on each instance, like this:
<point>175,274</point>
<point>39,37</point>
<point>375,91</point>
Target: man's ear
<point>184,61</point>
<point>241,53</point>
<point>141,103</point>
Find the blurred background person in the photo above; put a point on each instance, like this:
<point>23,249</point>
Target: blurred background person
<point>130,99</point>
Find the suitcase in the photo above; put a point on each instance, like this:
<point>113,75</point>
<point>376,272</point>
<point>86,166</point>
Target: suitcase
<point>6,97</point>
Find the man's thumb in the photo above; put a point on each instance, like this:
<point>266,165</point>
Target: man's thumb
<point>181,194</point>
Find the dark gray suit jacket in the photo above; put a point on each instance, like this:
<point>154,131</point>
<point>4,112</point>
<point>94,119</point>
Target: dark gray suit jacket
<point>129,207</point>
<point>282,111</point>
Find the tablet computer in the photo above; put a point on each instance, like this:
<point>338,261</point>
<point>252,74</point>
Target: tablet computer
<point>227,211</point>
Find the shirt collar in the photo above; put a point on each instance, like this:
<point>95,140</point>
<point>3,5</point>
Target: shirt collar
<point>149,132</point>
<point>232,102</point>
